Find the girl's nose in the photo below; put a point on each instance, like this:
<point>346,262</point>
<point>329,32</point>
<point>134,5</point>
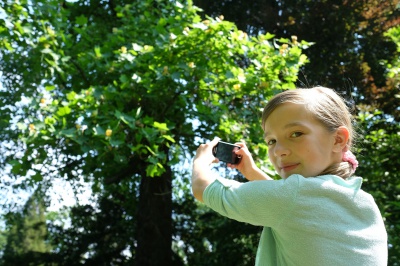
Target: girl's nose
<point>281,150</point>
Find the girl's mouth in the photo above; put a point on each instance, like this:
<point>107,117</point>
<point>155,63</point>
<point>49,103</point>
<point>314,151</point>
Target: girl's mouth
<point>290,167</point>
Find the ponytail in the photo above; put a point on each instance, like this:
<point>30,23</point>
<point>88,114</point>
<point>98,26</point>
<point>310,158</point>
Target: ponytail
<point>343,169</point>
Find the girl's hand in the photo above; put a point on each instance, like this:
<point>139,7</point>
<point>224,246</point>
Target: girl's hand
<point>201,175</point>
<point>247,165</point>
<point>204,153</point>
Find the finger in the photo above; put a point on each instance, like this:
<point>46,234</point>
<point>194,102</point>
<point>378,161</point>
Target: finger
<point>240,152</point>
<point>212,144</point>
<point>232,166</point>
<point>215,141</point>
<point>239,144</point>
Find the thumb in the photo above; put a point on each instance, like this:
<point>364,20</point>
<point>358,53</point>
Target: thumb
<point>215,141</point>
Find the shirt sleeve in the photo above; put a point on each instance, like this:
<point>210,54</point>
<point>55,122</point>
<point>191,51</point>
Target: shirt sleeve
<point>263,203</point>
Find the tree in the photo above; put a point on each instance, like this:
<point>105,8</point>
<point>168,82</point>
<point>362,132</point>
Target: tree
<point>349,41</point>
<point>379,167</point>
<point>380,150</point>
<point>27,237</point>
<point>120,94</point>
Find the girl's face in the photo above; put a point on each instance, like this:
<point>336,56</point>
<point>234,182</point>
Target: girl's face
<point>298,143</point>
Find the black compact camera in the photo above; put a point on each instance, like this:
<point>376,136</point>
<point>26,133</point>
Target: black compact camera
<point>225,152</point>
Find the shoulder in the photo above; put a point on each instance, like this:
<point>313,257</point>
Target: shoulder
<point>330,186</point>
<point>329,181</point>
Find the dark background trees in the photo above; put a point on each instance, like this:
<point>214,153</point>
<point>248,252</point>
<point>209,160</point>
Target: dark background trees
<point>349,37</point>
<point>117,95</point>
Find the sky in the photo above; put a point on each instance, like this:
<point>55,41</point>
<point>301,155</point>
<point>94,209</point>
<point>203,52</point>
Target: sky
<point>61,194</point>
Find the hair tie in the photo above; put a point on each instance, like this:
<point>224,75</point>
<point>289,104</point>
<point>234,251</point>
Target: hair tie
<point>349,157</point>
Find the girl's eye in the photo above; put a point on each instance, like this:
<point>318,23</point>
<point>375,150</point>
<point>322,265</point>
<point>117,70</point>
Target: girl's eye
<point>271,142</point>
<point>296,134</point>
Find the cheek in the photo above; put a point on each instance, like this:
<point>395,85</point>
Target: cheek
<point>270,153</point>
<point>271,156</point>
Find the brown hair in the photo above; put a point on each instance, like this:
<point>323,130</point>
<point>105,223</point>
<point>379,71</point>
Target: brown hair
<point>328,108</point>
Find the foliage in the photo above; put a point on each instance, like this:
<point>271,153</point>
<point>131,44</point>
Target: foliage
<point>349,36</point>
<point>26,239</point>
<point>355,51</point>
<point>380,169</point>
<point>393,75</point>
<point>119,94</point>
<point>380,148</point>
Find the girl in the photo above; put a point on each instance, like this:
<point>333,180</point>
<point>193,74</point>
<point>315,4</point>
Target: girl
<point>316,214</point>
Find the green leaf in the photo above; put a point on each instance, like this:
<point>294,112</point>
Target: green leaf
<point>16,166</point>
<point>49,120</point>
<point>97,51</point>
<point>37,177</point>
<point>168,137</point>
<point>71,96</point>
<point>98,130</point>
<point>69,133</point>
<point>22,126</point>
<point>116,142</point>
<point>81,20</point>
<point>160,126</point>
<point>123,79</point>
<point>155,170</point>
<point>62,111</point>
<point>150,150</point>
<point>138,112</point>
<point>127,119</point>
<point>50,88</point>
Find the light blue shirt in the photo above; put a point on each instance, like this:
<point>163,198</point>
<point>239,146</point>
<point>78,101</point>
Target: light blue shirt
<point>324,220</point>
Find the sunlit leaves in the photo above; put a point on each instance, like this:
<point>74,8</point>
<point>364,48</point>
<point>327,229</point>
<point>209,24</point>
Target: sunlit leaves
<point>160,126</point>
<point>394,67</point>
<point>64,110</point>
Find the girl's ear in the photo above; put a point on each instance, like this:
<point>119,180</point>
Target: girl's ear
<point>342,136</point>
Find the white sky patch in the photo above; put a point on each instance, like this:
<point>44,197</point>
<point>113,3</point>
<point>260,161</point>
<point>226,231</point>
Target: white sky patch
<point>62,195</point>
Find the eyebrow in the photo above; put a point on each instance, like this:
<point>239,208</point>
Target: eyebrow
<point>292,124</point>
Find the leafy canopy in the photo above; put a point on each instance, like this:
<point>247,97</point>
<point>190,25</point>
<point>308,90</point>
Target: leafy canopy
<point>104,95</point>
<point>117,92</point>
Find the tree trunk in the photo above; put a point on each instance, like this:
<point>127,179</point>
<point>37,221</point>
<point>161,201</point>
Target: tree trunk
<point>154,221</point>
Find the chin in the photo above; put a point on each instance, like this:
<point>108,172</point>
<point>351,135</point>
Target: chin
<point>284,176</point>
